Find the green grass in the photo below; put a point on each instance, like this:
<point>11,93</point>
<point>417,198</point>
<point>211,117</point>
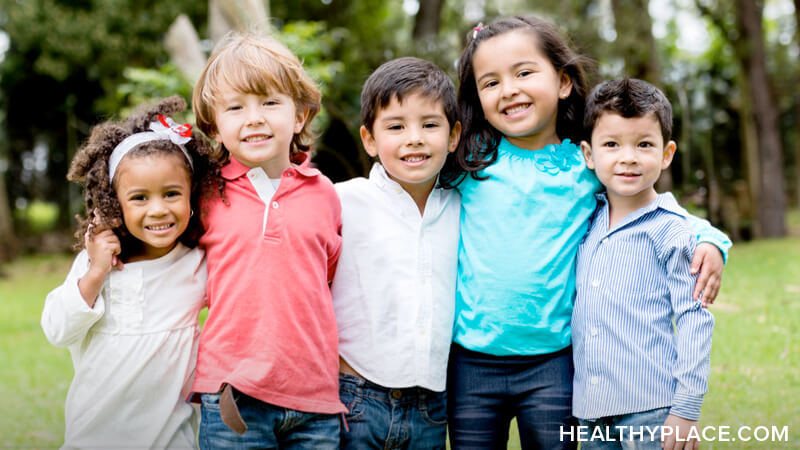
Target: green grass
<point>755,377</point>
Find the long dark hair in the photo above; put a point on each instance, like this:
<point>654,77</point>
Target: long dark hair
<point>477,148</point>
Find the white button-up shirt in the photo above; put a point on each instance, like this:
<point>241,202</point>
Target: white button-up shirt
<point>394,288</point>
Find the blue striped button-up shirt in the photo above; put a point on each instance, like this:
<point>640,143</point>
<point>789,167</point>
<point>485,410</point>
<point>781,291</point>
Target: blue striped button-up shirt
<point>640,341</point>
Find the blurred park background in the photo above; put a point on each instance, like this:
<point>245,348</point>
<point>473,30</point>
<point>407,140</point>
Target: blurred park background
<point>730,67</point>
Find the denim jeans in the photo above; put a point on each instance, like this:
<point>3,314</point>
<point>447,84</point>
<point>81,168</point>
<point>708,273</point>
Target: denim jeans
<point>485,392</point>
<point>379,417</point>
<point>268,426</point>
<point>615,431</point>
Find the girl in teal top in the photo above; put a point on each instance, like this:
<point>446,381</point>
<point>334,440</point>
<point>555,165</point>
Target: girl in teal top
<point>527,198</point>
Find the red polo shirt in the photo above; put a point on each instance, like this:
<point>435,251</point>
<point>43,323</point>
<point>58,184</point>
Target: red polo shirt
<point>271,329</point>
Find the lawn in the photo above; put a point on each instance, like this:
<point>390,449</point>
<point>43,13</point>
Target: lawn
<point>755,377</point>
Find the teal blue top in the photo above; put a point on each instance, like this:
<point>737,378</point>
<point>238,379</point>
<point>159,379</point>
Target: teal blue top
<point>520,232</point>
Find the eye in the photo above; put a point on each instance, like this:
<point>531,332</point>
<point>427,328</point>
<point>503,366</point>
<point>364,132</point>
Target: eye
<point>430,125</point>
<point>233,108</point>
<point>646,145</point>
<point>137,198</point>
<point>489,84</point>
<point>524,73</point>
<point>394,127</point>
<point>169,194</point>
<point>610,144</point>
<point>271,102</point>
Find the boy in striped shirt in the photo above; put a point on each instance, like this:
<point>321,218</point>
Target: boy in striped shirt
<point>638,377</point>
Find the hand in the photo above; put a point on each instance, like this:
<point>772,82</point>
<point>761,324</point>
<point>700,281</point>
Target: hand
<point>708,260</point>
<point>675,434</point>
<point>103,247</point>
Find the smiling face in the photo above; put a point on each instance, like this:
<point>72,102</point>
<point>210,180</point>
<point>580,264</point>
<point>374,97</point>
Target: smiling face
<point>258,129</point>
<point>519,88</point>
<point>628,154</point>
<point>412,138</point>
<point>155,194</point>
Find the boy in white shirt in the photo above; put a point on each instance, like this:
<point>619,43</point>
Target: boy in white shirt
<point>394,288</point>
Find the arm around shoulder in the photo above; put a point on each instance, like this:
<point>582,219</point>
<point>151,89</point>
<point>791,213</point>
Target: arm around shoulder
<point>67,317</point>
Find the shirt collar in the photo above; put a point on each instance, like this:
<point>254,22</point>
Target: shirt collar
<point>302,165</point>
<point>665,201</point>
<point>379,176</point>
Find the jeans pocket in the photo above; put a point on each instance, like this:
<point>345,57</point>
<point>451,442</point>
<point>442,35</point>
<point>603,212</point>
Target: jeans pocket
<point>433,409</point>
<point>354,404</point>
<point>209,401</point>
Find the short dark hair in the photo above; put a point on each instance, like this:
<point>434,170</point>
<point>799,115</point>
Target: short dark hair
<point>402,77</point>
<point>628,97</point>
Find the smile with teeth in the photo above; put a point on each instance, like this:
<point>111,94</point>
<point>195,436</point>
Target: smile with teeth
<point>260,137</point>
<point>516,109</point>
<point>415,158</point>
<point>159,227</point>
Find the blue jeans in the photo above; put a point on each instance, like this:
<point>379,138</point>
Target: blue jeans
<point>485,392</point>
<point>379,417</point>
<point>268,426</point>
<point>615,431</point>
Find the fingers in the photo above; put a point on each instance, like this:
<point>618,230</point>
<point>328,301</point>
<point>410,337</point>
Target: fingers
<point>702,281</point>
<point>697,262</point>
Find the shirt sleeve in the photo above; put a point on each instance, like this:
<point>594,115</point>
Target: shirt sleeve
<point>706,232</point>
<point>694,325</point>
<point>66,317</point>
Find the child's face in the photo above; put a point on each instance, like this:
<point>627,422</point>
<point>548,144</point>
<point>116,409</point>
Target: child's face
<point>519,88</point>
<point>412,140</point>
<point>628,154</point>
<point>155,194</point>
<point>258,129</point>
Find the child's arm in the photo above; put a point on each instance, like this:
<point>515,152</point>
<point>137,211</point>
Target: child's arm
<point>72,308</point>
<point>694,325</point>
<point>676,434</point>
<point>67,317</point>
<point>709,258</point>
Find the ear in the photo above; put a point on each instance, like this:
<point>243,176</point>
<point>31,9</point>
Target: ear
<point>300,121</point>
<point>455,136</point>
<point>566,86</point>
<point>586,148</point>
<point>669,153</point>
<point>368,141</point>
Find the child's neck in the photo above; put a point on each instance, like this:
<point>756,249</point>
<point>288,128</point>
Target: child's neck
<point>620,206</point>
<point>535,141</point>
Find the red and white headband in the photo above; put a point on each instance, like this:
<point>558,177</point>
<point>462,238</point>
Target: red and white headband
<point>164,129</point>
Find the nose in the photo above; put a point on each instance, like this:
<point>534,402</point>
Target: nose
<point>628,155</point>
<point>254,116</point>
<point>414,136</point>
<point>158,208</point>
<point>509,89</point>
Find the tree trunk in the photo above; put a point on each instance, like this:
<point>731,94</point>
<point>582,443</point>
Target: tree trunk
<point>241,15</point>
<point>7,239</point>
<point>749,137</point>
<point>427,20</point>
<point>771,201</point>
<point>797,140</point>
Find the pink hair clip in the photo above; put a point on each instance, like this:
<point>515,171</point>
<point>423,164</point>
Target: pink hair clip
<point>477,30</point>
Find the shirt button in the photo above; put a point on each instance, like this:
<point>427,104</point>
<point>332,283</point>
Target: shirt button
<point>595,283</point>
<point>595,380</point>
<point>274,205</point>
<point>604,240</point>
<point>396,394</point>
<point>289,173</point>
<point>594,331</point>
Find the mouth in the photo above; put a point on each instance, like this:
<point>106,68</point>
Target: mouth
<point>515,109</point>
<point>415,158</point>
<point>159,228</point>
<point>628,174</point>
<point>256,138</point>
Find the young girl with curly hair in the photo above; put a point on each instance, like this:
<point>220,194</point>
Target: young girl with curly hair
<point>128,308</point>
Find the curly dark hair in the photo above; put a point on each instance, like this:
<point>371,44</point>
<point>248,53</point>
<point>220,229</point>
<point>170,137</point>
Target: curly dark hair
<point>89,168</point>
<point>477,148</point>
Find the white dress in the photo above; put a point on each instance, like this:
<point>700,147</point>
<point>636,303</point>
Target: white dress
<point>134,353</point>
